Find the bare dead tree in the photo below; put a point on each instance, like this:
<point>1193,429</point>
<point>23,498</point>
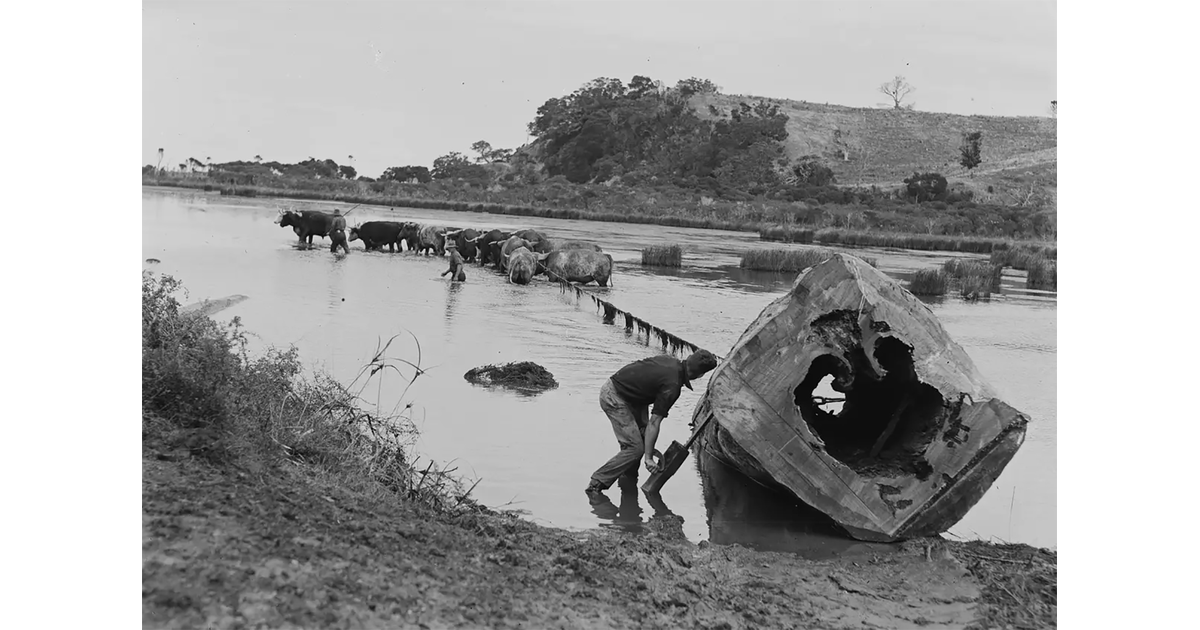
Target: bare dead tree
<point>897,89</point>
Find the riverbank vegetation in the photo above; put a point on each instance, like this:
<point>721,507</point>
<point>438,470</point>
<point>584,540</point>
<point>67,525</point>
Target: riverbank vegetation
<point>202,392</point>
<point>663,256</point>
<point>688,155</point>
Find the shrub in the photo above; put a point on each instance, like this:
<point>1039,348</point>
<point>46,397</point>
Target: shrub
<point>926,187</point>
<point>811,171</point>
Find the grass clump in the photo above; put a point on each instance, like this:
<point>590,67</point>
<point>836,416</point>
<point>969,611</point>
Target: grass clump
<point>1042,274</point>
<point>663,256</point>
<point>203,393</point>
<point>780,260</point>
<point>929,282</point>
<point>975,278</point>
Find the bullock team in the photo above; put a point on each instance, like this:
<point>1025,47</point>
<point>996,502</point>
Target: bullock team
<point>521,255</point>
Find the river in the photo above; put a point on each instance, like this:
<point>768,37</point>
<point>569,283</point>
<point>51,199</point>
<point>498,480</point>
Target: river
<point>535,453</point>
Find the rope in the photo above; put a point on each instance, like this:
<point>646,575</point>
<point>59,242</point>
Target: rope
<point>671,343</point>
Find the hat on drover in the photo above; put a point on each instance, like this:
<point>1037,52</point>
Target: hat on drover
<point>698,364</point>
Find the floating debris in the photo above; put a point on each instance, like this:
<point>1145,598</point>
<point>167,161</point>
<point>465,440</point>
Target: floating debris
<point>523,375</point>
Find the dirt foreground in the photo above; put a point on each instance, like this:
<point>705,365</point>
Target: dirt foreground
<point>224,547</point>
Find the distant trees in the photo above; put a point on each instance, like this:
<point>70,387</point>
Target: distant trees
<point>644,130</point>
<point>926,187</point>
<point>688,87</point>
<point>407,174</point>
<point>898,89</point>
<point>811,171</point>
<point>488,155</point>
<point>451,165</point>
<point>970,149</point>
<point>347,172</point>
<point>1054,108</point>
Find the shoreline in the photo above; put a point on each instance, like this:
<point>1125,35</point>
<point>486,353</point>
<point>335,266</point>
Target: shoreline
<point>767,231</point>
<point>225,545</point>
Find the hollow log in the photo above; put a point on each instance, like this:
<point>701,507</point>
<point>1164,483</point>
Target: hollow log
<point>920,437</point>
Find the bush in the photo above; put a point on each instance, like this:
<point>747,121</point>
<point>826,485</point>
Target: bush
<point>811,171</point>
<point>926,187</point>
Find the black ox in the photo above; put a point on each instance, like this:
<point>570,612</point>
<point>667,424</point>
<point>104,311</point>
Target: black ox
<point>376,234</point>
<point>307,224</point>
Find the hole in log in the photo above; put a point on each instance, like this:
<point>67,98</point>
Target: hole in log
<point>886,422</point>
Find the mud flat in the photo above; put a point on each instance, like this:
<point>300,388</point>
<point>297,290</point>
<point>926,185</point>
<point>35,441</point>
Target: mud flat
<point>226,546</point>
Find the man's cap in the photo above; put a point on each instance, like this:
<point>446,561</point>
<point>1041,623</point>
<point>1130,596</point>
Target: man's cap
<point>699,363</point>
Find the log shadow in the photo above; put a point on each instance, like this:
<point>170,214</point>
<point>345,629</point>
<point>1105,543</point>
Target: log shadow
<point>744,512</point>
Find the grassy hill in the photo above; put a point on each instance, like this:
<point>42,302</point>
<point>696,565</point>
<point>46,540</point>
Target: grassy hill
<point>876,146</point>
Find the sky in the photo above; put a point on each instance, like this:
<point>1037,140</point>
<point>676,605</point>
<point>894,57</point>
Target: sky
<point>397,83</point>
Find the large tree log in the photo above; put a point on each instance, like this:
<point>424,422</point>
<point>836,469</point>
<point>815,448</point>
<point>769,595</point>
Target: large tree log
<point>920,437</point>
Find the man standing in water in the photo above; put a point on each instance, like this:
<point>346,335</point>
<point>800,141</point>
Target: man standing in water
<point>636,399</point>
<point>337,233</point>
<point>456,263</point>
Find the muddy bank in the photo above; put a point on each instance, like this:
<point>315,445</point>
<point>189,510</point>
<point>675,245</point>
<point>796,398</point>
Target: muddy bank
<point>229,547</point>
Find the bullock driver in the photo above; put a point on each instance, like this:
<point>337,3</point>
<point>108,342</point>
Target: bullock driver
<point>636,399</point>
<point>337,233</point>
<point>456,263</point>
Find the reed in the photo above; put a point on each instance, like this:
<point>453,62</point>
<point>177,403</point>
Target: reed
<point>924,242</point>
<point>1042,274</point>
<point>663,256</point>
<point>786,234</point>
<point>780,260</point>
<point>929,282</point>
<point>1022,255</point>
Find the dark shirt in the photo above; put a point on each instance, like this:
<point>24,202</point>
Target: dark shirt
<point>653,380</point>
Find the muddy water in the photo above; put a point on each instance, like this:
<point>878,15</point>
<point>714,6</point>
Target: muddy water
<point>535,453</point>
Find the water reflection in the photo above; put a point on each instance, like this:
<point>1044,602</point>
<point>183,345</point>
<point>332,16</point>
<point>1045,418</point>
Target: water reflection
<point>452,291</point>
<point>742,511</point>
<point>628,515</point>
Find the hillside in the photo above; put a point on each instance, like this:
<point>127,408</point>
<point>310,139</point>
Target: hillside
<point>883,146</point>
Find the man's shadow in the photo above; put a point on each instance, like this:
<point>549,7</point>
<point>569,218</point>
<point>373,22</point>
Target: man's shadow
<point>628,515</point>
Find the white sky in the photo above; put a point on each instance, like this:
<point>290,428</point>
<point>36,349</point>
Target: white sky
<point>395,83</point>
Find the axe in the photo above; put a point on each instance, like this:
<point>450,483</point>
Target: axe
<point>672,460</point>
